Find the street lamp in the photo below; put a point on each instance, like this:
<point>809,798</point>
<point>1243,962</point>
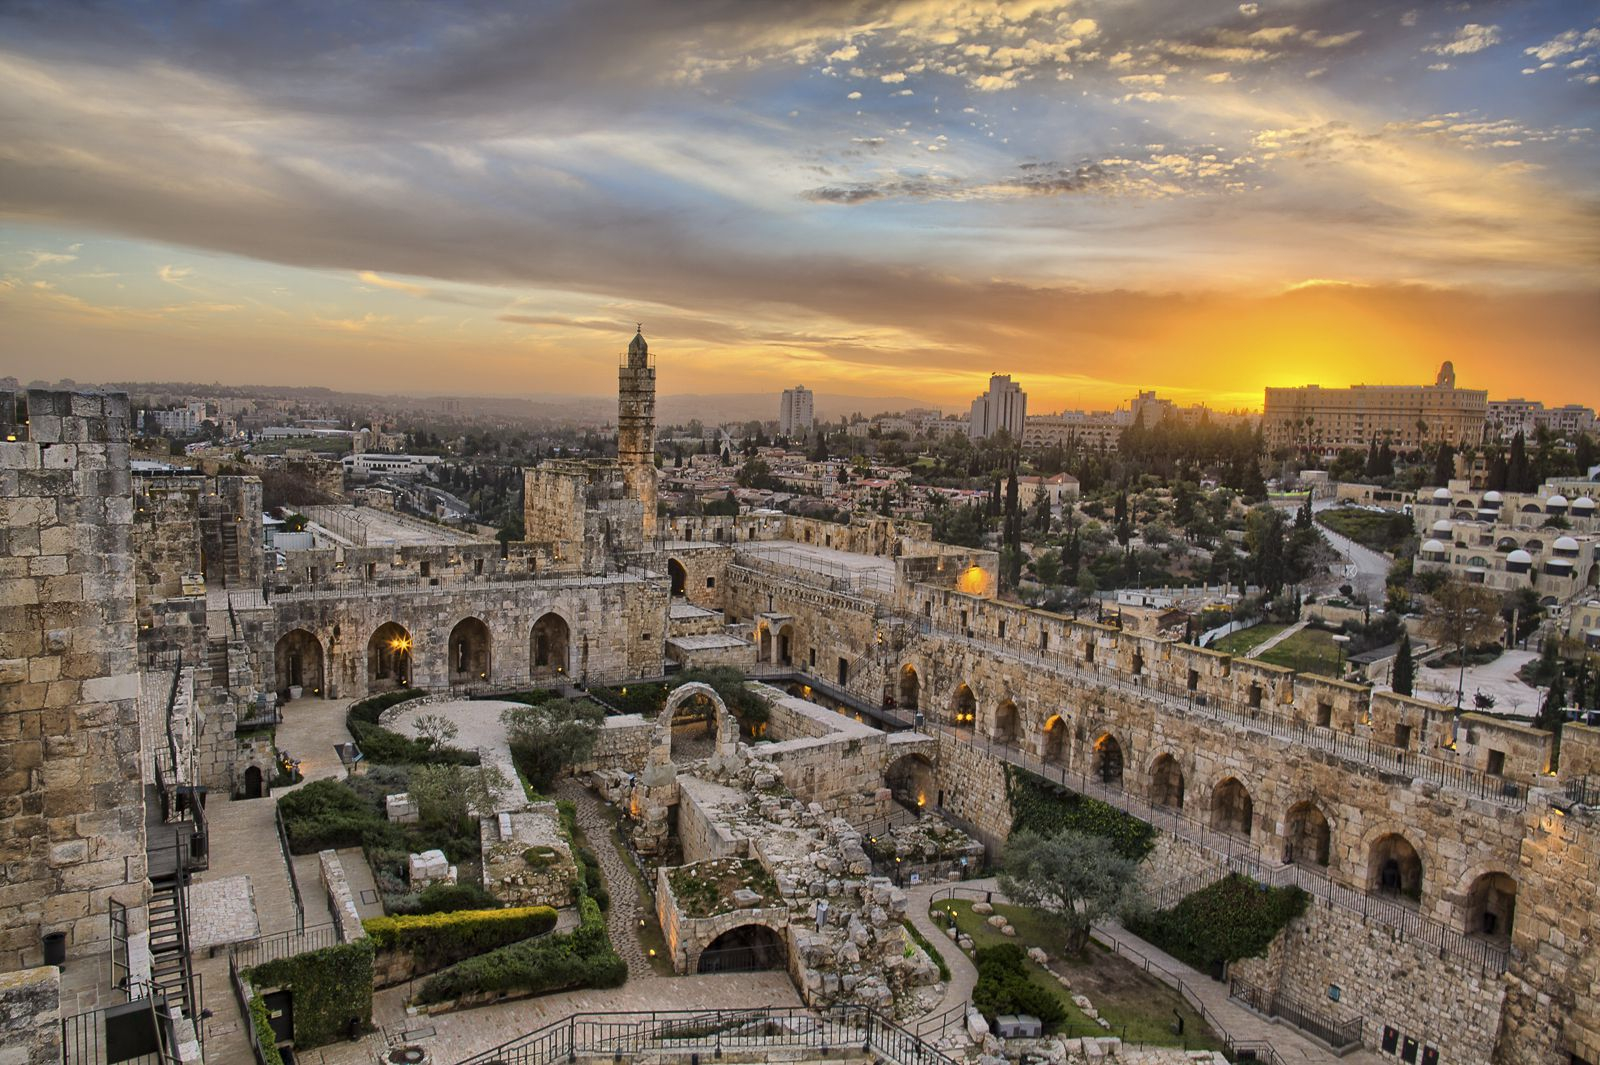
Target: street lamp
<point>1340,641</point>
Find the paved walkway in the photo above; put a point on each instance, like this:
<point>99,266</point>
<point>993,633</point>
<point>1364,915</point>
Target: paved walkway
<point>1498,678</point>
<point>624,914</point>
<point>1274,640</point>
<point>963,974</point>
<point>1364,569</point>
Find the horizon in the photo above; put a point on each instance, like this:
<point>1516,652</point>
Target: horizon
<point>1203,199</point>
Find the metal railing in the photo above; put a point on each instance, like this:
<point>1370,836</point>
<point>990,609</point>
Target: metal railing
<point>1323,1024</point>
<point>84,1035</point>
<point>1241,855</point>
<point>252,952</point>
<point>288,863</point>
<point>713,1033</point>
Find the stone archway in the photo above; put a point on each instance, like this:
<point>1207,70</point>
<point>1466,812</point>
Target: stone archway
<point>1232,809</point>
<point>469,649</point>
<point>963,707</point>
<point>1004,728</point>
<point>746,948</point>
<point>1107,764</point>
<point>784,649</point>
<point>389,663</point>
<point>1394,868</point>
<point>910,687</point>
<point>297,663</point>
<point>1308,838</point>
<point>1492,905</point>
<point>1054,747</point>
<point>1166,783</point>
<point>659,768</point>
<point>912,782</point>
<point>678,576</point>
<point>549,647</point>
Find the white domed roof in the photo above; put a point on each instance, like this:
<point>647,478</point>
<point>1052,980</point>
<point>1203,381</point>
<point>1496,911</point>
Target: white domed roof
<point>1565,543</point>
<point>1491,496</point>
<point>1441,493</point>
<point>1432,545</point>
<point>1519,555</point>
<point>1443,526</point>
<point>1583,503</point>
<point>1556,500</point>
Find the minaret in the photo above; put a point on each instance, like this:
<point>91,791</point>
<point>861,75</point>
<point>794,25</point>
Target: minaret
<point>636,427</point>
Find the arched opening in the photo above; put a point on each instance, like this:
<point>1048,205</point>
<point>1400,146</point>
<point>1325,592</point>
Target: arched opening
<point>1394,868</point>
<point>297,663</point>
<point>469,652</point>
<point>1232,810</point>
<point>252,783</point>
<point>389,657</point>
<point>746,949</point>
<point>548,646</point>
<point>1166,783</point>
<point>910,687</point>
<point>1492,905</point>
<point>786,645</point>
<point>694,728</point>
<point>1107,765</point>
<point>678,576</point>
<point>911,781</point>
<point>1054,748</point>
<point>963,707</point>
<point>1307,836</point>
<point>763,642</point>
<point>1005,723</point>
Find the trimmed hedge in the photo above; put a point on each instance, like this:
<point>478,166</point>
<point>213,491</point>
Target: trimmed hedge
<point>561,962</point>
<point>449,898</point>
<point>1049,809</point>
<point>266,1038</point>
<point>379,744</point>
<point>1234,918</point>
<point>332,987</point>
<point>1004,987</point>
<point>327,814</point>
<point>440,939</point>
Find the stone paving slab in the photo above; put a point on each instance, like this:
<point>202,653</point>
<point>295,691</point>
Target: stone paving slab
<point>222,911</point>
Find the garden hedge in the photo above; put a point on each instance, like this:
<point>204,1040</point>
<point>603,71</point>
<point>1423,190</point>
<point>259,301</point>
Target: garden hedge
<point>1049,809</point>
<point>379,744</point>
<point>266,1038</point>
<point>561,962</point>
<point>440,939</point>
<point>1234,918</point>
<point>332,987</point>
<point>1004,987</point>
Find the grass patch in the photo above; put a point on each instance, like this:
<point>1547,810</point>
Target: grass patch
<point>1125,995</point>
<point>927,947</point>
<point>1307,651</point>
<point>706,889</point>
<point>1386,531</point>
<point>1244,641</point>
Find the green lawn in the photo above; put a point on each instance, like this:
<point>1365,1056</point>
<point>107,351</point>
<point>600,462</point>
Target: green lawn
<point>1123,993</point>
<point>1307,651</point>
<point>1385,531</point>
<point>1244,641</point>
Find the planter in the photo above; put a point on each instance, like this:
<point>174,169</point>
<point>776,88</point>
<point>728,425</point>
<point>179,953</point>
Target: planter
<point>294,691</point>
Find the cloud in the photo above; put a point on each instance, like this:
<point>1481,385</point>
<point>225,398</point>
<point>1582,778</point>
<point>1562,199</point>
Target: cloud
<point>893,79</point>
<point>1249,10</point>
<point>175,275</point>
<point>1565,43</point>
<point>853,96</point>
<point>49,258</point>
<point>370,278</point>
<point>1468,40</point>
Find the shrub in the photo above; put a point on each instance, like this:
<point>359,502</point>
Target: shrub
<point>562,962</point>
<point>379,744</point>
<point>1040,806</point>
<point>450,898</point>
<point>1234,918</point>
<point>266,1038</point>
<point>440,939</point>
<point>326,814</point>
<point>931,950</point>
<point>1004,987</point>
<point>332,987</point>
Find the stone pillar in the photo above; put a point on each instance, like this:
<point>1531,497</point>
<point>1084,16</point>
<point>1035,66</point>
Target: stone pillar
<point>636,428</point>
<point>71,795</point>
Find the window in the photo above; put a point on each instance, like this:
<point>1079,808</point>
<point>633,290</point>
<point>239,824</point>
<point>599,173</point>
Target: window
<point>1002,630</point>
<point>1254,698</point>
<point>1044,641</point>
<point>644,637</point>
<point>372,570</point>
<point>1402,736</point>
<point>1497,763</point>
<point>813,656</point>
<point>1194,680</point>
<point>477,567</point>
<point>427,569</point>
<point>711,582</point>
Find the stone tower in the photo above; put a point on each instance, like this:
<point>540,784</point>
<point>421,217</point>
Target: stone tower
<point>636,427</point>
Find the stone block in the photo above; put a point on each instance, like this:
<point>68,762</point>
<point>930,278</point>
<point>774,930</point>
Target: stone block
<point>400,808</point>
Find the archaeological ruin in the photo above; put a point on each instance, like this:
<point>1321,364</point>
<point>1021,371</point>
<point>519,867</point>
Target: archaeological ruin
<point>146,641</point>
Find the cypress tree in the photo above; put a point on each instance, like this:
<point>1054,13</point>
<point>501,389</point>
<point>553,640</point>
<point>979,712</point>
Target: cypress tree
<point>1405,670</point>
<point>1444,466</point>
<point>1519,476</point>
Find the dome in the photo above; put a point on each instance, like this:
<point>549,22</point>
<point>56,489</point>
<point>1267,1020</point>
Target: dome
<point>1442,493</point>
<point>1583,503</point>
<point>1519,556</point>
<point>1565,543</point>
<point>637,346</point>
<point>1491,496</point>
<point>1556,501</point>
<point>1443,526</point>
<point>1433,546</point>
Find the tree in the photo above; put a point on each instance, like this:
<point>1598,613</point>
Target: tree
<point>546,739</point>
<point>1462,615</point>
<point>1519,475</point>
<point>451,795</point>
<point>1444,466</point>
<point>1074,876</point>
<point>435,730</point>
<point>1405,670</point>
<point>1554,712</point>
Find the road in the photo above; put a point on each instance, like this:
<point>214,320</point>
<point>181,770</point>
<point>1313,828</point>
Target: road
<point>1364,569</point>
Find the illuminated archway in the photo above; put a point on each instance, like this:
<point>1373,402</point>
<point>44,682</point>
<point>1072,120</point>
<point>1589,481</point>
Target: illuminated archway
<point>1107,766</point>
<point>1054,748</point>
<point>910,687</point>
<point>678,576</point>
<point>963,707</point>
<point>389,657</point>
<point>911,780</point>
<point>297,663</point>
<point>549,647</point>
<point>1005,723</point>
<point>1394,868</point>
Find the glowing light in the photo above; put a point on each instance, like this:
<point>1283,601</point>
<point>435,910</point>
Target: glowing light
<point>400,643</point>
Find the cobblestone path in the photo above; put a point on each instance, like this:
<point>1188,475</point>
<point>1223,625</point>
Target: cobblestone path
<point>622,919</point>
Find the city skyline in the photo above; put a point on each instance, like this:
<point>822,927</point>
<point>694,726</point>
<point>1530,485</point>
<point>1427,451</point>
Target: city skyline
<point>1205,200</point>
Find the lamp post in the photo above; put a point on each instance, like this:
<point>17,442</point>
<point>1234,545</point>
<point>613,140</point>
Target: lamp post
<point>1340,641</point>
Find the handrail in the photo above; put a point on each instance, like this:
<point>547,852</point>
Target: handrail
<point>249,953</point>
<point>288,863</point>
<point>1309,1017</point>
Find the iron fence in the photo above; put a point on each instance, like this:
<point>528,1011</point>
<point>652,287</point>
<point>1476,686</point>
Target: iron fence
<point>1305,1015</point>
<point>253,952</point>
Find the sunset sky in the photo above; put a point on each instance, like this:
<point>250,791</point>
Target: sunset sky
<point>891,198</point>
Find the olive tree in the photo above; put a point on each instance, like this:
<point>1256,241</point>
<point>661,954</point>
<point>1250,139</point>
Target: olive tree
<point>1074,876</point>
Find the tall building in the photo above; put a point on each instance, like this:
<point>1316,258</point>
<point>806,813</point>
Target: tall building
<point>794,411</point>
<point>1404,416</point>
<point>1004,406</point>
<point>636,427</point>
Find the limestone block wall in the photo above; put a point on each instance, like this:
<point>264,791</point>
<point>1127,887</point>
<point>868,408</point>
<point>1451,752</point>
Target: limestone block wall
<point>703,828</point>
<point>974,785</point>
<point>623,744</point>
<point>30,1016</point>
<point>71,798</point>
<point>509,876</point>
<point>827,626</point>
<point>231,534</point>
<point>705,567</point>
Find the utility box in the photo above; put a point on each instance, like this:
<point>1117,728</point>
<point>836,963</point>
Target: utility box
<point>1019,1026</point>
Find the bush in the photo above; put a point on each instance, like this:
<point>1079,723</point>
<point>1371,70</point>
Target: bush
<point>325,814</point>
<point>1234,918</point>
<point>1004,987</point>
<point>440,939</point>
<point>266,1038</point>
<point>562,962</point>
<point>1040,806</point>
<point>452,898</point>
<point>380,745</point>
<point>332,987</point>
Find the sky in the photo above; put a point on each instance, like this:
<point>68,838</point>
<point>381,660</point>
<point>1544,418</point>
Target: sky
<point>868,197</point>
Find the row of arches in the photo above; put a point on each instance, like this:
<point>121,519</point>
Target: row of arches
<point>299,660</point>
<point>1394,866</point>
